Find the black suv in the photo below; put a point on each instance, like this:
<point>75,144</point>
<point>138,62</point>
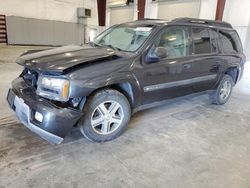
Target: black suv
<point>128,67</point>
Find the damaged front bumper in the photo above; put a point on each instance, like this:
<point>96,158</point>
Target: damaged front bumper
<point>56,121</point>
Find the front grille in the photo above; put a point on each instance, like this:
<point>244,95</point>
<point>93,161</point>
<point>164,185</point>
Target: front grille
<point>30,77</point>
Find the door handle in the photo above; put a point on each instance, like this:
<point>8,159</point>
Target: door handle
<point>186,66</point>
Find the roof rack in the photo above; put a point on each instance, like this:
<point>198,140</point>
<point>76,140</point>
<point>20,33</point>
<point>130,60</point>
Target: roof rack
<point>203,21</point>
<point>151,19</point>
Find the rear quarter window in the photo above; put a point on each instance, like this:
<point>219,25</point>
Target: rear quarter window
<point>229,42</point>
<point>237,41</point>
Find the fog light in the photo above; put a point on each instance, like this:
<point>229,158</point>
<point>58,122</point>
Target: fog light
<point>39,117</point>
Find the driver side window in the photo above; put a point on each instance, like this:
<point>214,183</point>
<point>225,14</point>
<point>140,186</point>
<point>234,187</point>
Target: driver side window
<point>175,40</point>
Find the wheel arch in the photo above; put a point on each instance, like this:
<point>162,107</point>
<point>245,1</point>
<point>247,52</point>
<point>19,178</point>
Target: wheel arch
<point>127,88</point>
<point>233,72</point>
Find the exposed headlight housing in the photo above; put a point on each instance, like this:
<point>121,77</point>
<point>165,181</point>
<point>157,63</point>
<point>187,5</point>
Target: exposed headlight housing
<point>53,88</point>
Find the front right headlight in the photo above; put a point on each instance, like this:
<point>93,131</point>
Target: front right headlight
<point>53,88</point>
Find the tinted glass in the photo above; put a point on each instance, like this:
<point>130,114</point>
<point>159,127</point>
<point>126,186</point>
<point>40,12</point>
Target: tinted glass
<point>237,41</point>
<point>175,40</point>
<point>201,41</point>
<point>230,42</point>
<point>213,40</point>
<point>227,43</point>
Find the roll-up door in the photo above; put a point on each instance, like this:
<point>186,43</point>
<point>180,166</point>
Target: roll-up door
<point>121,14</point>
<point>179,8</point>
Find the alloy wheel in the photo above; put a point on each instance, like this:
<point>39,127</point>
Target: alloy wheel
<point>225,90</point>
<point>107,117</point>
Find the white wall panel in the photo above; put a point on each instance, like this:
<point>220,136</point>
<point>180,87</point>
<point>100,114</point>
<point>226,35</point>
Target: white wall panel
<point>208,9</point>
<point>151,9</point>
<point>58,10</point>
<point>237,13</point>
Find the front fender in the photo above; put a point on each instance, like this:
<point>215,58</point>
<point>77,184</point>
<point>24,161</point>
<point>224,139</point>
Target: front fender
<point>80,89</point>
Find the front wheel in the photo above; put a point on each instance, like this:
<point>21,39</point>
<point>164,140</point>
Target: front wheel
<point>222,94</point>
<point>106,116</point>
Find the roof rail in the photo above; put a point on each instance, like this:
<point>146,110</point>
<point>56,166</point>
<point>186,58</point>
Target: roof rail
<point>203,21</point>
<point>151,19</point>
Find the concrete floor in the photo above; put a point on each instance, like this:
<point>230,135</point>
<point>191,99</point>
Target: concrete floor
<point>189,143</point>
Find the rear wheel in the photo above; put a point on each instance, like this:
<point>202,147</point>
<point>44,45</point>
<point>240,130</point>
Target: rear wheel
<point>106,116</point>
<point>222,94</point>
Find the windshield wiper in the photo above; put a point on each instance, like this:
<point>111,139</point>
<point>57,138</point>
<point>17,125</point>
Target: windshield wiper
<point>106,45</point>
<point>113,47</point>
<point>93,44</point>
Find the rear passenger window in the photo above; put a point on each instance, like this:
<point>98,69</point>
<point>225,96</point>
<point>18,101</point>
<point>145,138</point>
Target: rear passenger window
<point>201,41</point>
<point>228,44</point>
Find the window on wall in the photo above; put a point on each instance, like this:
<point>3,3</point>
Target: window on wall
<point>201,41</point>
<point>175,40</point>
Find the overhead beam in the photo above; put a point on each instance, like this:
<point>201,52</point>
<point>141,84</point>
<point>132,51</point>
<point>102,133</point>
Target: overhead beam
<point>101,8</point>
<point>220,9</point>
<point>141,9</point>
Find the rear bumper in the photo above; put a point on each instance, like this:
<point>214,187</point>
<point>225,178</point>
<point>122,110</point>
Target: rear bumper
<point>56,121</point>
<point>240,73</point>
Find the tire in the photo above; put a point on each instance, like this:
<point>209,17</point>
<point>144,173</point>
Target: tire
<point>222,94</point>
<point>106,116</point>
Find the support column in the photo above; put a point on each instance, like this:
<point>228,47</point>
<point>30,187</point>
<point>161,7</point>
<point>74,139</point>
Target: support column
<point>101,8</point>
<point>141,9</point>
<point>220,9</point>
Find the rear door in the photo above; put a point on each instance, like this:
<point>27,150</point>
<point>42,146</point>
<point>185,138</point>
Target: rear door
<point>206,65</point>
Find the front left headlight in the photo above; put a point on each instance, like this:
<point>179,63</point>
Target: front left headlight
<point>53,88</point>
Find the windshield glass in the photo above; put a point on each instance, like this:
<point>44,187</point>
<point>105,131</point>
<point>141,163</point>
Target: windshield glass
<point>123,38</point>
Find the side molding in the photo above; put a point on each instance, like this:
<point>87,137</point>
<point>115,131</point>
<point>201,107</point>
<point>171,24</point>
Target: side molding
<point>178,83</point>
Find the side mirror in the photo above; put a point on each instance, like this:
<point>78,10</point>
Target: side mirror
<point>160,52</point>
<point>155,54</point>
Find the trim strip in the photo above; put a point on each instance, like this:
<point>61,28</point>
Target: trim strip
<point>179,83</point>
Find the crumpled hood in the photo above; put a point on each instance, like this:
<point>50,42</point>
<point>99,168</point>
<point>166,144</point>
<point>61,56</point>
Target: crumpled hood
<point>62,58</point>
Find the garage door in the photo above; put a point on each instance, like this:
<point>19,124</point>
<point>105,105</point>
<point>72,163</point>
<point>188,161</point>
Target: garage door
<point>121,14</point>
<point>180,8</point>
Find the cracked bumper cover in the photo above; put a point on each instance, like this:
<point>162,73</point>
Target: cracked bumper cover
<point>57,121</point>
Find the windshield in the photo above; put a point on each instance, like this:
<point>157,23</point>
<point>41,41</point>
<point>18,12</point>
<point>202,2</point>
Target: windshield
<point>123,38</point>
